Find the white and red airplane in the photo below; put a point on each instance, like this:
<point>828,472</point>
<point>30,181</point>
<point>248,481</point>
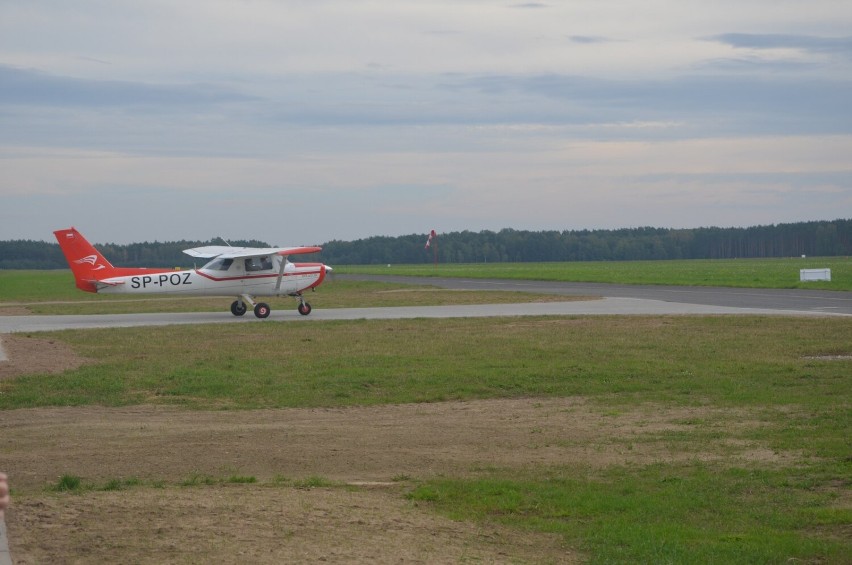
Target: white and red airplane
<point>244,272</point>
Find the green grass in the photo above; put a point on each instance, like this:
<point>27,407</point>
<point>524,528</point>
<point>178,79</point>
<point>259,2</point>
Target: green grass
<point>38,286</point>
<point>314,481</point>
<point>661,513</point>
<point>680,360</point>
<point>67,483</point>
<point>745,273</point>
<point>121,484</point>
<point>240,479</point>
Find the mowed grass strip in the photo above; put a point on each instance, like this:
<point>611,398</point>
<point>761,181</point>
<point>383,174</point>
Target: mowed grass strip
<point>744,273</point>
<point>682,360</point>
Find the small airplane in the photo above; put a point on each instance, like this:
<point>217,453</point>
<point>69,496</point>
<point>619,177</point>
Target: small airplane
<point>244,272</point>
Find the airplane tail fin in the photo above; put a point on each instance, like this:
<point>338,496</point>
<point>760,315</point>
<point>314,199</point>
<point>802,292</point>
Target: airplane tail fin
<point>87,264</point>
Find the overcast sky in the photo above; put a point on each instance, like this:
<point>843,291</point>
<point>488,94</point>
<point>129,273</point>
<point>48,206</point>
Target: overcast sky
<point>303,121</point>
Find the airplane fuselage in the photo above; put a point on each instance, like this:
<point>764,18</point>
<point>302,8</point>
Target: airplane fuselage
<point>296,278</point>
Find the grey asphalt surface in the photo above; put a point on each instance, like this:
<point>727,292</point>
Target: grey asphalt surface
<point>618,300</point>
<point>801,300</point>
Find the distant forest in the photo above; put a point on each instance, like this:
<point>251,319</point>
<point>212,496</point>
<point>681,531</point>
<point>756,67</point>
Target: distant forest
<point>826,238</point>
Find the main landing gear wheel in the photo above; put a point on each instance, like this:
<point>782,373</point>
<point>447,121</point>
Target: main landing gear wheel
<point>238,308</point>
<point>261,310</point>
<point>304,308</point>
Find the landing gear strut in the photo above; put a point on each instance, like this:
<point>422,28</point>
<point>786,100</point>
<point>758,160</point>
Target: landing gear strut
<point>304,308</point>
<point>261,309</point>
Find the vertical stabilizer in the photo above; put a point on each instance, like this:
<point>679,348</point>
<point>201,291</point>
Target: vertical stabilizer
<point>87,264</point>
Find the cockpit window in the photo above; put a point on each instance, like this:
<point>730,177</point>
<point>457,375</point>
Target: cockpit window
<point>219,265</point>
<point>263,263</point>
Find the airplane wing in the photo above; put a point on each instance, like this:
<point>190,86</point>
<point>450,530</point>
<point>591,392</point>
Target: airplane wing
<point>225,252</point>
<point>208,252</point>
<point>298,250</point>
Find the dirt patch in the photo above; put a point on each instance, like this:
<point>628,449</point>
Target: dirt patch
<point>380,451</point>
<point>238,524</point>
<point>30,355</point>
<point>383,450</point>
<point>14,310</point>
<point>353,444</point>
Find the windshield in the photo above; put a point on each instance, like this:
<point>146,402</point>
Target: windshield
<point>218,265</point>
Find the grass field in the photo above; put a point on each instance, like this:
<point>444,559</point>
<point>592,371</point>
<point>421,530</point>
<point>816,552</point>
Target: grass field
<point>745,273</point>
<point>778,387</point>
<point>727,361</point>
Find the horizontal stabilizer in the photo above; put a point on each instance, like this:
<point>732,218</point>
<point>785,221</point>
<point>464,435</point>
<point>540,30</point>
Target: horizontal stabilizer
<point>99,284</point>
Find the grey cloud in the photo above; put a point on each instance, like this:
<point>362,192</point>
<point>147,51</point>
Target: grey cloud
<point>754,64</point>
<point>442,32</point>
<point>771,105</point>
<point>588,39</point>
<point>796,180</point>
<point>34,88</point>
<point>724,104</point>
<point>804,189</point>
<point>841,45</point>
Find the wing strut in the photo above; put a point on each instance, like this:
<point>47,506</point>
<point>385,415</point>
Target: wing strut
<point>280,274</point>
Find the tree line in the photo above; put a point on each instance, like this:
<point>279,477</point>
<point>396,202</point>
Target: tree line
<point>826,238</point>
<point>823,238</point>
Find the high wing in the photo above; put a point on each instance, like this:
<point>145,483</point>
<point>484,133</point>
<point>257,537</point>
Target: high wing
<point>224,252</point>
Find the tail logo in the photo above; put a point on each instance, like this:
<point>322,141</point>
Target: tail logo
<point>91,260</point>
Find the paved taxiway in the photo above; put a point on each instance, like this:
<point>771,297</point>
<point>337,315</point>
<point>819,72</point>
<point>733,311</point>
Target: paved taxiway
<point>814,301</point>
<point>617,300</point>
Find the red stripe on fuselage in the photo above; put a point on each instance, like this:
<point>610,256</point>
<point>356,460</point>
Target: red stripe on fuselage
<point>321,272</point>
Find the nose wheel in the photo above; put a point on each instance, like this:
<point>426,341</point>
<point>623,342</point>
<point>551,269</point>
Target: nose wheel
<point>304,308</point>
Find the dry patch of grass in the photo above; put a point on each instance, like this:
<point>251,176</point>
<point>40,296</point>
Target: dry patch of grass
<point>259,524</point>
<point>32,355</point>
